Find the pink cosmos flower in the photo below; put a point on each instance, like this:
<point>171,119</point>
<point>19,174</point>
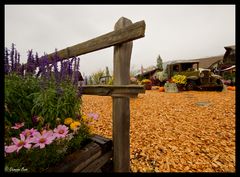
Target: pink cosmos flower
<point>61,131</point>
<point>93,115</point>
<point>28,132</point>
<point>41,140</point>
<point>18,144</point>
<point>18,125</point>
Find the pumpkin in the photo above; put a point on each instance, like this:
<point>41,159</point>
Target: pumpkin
<point>161,89</point>
<point>231,88</point>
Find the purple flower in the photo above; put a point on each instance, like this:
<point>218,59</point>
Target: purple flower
<point>37,59</point>
<point>37,119</point>
<point>55,66</point>
<point>6,61</point>
<point>31,67</point>
<point>18,144</point>
<point>22,68</point>
<point>12,57</point>
<point>16,60</point>
<point>61,131</point>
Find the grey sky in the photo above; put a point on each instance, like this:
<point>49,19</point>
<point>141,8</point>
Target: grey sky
<point>173,31</point>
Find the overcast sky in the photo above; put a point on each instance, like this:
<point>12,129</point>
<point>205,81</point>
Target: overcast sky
<point>172,31</point>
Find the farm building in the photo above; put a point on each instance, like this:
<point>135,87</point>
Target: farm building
<point>229,57</point>
<point>149,73</point>
<point>209,62</point>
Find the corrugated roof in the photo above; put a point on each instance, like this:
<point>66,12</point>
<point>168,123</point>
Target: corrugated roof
<point>232,47</point>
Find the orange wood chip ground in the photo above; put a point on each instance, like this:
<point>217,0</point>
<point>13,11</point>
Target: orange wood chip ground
<point>189,131</point>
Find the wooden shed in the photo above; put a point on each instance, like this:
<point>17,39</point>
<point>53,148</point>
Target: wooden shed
<point>229,57</point>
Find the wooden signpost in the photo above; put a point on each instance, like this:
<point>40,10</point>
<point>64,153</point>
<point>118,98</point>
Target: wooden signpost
<point>121,38</point>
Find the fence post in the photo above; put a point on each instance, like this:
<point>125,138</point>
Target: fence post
<point>121,110</point>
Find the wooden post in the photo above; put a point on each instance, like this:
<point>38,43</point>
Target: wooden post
<point>121,110</point>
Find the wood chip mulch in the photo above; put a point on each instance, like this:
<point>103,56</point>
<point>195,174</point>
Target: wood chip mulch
<point>188,131</point>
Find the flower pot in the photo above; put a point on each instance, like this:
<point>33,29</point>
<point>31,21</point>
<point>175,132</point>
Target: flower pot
<point>94,157</point>
<point>148,86</point>
<point>181,87</point>
<point>170,87</point>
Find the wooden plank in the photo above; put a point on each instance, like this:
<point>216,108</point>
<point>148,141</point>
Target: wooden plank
<point>104,143</point>
<point>82,157</point>
<point>87,161</point>
<point>111,90</point>
<point>98,163</point>
<point>125,34</point>
<point>121,110</point>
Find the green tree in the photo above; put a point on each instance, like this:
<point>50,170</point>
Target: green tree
<point>159,62</point>
<point>107,71</point>
<point>96,76</point>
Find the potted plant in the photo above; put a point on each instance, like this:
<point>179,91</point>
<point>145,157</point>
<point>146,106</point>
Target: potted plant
<point>180,80</point>
<point>170,86</point>
<point>147,84</point>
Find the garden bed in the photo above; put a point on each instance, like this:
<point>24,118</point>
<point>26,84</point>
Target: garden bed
<point>94,157</point>
<point>172,132</point>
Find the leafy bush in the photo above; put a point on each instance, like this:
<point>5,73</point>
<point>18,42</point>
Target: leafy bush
<point>162,76</point>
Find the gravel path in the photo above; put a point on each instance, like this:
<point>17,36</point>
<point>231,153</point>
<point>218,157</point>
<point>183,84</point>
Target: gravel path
<point>175,132</point>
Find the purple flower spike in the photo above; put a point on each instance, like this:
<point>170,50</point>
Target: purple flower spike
<point>12,57</point>
<point>55,66</point>
<point>6,61</point>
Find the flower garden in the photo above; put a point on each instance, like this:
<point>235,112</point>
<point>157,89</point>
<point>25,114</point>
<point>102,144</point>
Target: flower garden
<point>43,117</point>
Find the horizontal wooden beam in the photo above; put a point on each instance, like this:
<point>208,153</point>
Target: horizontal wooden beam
<point>123,35</point>
<point>112,90</point>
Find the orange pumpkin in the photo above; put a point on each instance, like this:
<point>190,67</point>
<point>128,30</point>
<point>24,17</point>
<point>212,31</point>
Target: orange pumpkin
<point>161,89</point>
<point>231,88</point>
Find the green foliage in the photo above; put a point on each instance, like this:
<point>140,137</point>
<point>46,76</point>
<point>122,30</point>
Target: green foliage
<point>57,102</point>
<point>162,76</point>
<point>96,76</point>
<point>19,98</point>
<point>24,99</point>
<point>159,62</point>
<point>107,72</point>
<point>110,81</point>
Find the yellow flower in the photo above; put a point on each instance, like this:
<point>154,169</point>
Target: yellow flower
<point>77,123</point>
<point>84,117</point>
<point>74,125</point>
<point>68,121</point>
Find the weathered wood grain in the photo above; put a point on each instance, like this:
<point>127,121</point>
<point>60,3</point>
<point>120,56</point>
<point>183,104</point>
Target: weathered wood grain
<point>118,36</point>
<point>121,109</point>
<point>96,165</point>
<point>112,90</point>
<point>81,158</point>
<point>94,154</point>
